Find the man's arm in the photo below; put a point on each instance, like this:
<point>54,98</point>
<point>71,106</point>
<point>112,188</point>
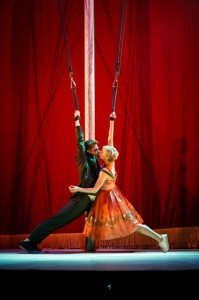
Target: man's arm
<point>81,154</point>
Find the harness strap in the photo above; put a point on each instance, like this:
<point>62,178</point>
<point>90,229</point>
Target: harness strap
<point>111,175</point>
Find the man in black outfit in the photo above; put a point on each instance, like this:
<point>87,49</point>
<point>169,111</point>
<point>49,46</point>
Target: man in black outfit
<point>79,203</point>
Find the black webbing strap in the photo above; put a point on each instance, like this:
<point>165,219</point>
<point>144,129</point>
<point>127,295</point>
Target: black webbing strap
<point>119,52</point>
<point>115,88</point>
<point>72,84</point>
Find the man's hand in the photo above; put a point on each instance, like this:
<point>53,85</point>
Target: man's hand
<point>77,115</point>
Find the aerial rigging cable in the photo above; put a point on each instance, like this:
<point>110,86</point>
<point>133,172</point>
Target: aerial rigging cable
<point>72,82</point>
<point>119,51</point>
<point>117,59</point>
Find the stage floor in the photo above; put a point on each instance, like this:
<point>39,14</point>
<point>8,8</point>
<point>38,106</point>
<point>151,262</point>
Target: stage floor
<point>101,260</point>
<point>57,273</point>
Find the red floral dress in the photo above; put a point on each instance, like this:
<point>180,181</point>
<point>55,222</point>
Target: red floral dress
<point>111,215</point>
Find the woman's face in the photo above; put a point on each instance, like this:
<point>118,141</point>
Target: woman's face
<point>103,154</point>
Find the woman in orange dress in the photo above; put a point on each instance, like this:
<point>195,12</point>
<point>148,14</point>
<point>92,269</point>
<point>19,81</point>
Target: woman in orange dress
<point>112,215</point>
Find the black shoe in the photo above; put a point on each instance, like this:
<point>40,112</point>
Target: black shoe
<point>29,247</point>
<point>90,245</point>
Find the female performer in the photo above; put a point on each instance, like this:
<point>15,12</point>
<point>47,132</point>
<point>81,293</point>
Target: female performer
<point>112,215</point>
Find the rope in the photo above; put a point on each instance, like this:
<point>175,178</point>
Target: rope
<point>119,52</point>
<point>72,82</point>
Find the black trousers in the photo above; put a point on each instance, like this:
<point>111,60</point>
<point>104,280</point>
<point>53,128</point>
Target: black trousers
<point>73,209</point>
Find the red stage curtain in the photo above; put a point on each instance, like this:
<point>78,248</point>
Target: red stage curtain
<point>156,131</point>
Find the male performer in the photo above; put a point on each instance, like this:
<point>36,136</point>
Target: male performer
<point>78,203</point>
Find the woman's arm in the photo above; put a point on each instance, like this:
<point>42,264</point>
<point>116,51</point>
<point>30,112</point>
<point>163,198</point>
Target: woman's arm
<point>100,181</point>
<point>111,129</point>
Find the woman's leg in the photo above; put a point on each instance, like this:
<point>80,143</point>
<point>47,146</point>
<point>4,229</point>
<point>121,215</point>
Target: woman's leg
<point>161,239</point>
<point>146,230</point>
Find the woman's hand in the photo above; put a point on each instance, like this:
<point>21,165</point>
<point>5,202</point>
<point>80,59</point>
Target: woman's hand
<point>73,188</point>
<point>113,116</point>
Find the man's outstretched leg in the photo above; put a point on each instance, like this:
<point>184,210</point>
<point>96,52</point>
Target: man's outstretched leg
<point>73,209</point>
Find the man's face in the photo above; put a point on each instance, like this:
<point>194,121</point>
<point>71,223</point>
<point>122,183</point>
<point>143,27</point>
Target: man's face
<point>94,150</point>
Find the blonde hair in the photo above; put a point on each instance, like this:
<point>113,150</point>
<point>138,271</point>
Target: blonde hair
<point>112,153</point>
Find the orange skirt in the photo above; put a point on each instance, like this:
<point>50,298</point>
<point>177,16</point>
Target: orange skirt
<point>111,216</point>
